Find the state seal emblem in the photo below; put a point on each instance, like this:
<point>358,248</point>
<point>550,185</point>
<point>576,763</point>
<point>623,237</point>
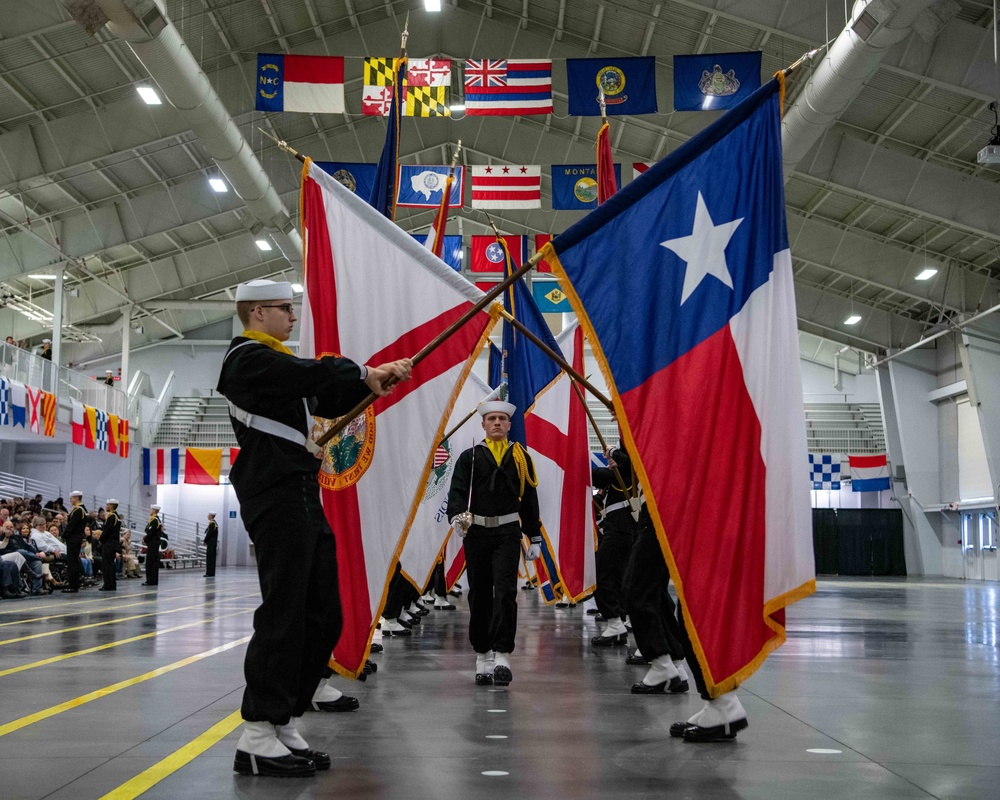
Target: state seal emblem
<point>347,456</point>
<point>611,81</point>
<point>441,468</point>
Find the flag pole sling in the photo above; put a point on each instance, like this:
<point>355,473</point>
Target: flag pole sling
<point>429,348</point>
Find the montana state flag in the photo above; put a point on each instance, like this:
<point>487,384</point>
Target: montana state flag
<point>202,465</point>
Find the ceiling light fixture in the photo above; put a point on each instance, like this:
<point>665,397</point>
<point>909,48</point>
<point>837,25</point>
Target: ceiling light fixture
<point>432,5</point>
<point>42,277</point>
<point>854,319</point>
<point>264,244</point>
<point>149,96</point>
<point>218,185</point>
<point>927,274</point>
<point>297,288</point>
<point>457,107</point>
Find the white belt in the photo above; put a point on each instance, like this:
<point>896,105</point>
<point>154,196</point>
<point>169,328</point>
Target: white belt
<point>495,522</point>
<point>272,427</point>
<point>616,507</point>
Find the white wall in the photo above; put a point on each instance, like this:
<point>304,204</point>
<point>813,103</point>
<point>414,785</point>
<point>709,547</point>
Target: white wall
<point>195,502</point>
<point>817,385</point>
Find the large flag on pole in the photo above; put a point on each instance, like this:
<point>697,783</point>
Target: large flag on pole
<point>426,540</point>
<point>683,282</point>
<point>435,238</point>
<point>557,433</point>
<point>375,294</point>
<point>383,196</point>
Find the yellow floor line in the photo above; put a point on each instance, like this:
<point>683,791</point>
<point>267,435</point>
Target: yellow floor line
<point>121,619</point>
<point>218,595</point>
<point>38,716</point>
<point>103,600</point>
<point>147,779</point>
<point>46,661</point>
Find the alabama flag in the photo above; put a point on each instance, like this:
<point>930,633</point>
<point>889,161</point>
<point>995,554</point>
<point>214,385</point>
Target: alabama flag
<point>425,543</point>
<point>683,283</point>
<point>556,429</point>
<point>374,294</point>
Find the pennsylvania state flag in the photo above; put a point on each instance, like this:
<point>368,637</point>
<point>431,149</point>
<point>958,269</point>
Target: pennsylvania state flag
<point>683,283</point>
<point>715,80</point>
<point>629,85</point>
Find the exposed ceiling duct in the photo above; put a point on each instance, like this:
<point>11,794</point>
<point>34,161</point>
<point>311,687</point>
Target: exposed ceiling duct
<point>162,51</point>
<point>874,27</point>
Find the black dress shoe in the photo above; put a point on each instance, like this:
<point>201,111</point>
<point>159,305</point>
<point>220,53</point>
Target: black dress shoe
<point>446,607</point>
<point>502,676</point>
<point>678,728</point>
<point>600,617</point>
<point>484,679</point>
<point>593,612</point>
<point>146,583</point>
<point>673,686</point>
<point>291,766</point>
<point>370,667</point>
<point>404,632</point>
<point>377,647</point>
<point>15,595</point>
<point>70,591</point>
<point>106,589</point>
<point>636,661</point>
<point>343,703</point>
<point>321,760</point>
<point>608,641</point>
<point>405,623</point>
<point>715,733</point>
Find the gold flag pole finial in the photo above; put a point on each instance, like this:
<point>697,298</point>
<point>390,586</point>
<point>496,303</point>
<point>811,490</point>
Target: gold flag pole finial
<point>405,36</point>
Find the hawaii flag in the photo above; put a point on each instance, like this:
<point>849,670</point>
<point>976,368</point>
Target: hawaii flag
<point>556,428</point>
<point>426,540</point>
<point>690,267</point>
<point>374,294</point>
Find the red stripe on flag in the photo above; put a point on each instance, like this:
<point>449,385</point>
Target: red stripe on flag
<point>867,462</point>
<point>512,195</point>
<point>161,471</point>
<point>314,69</point>
<point>699,441</point>
<point>479,181</point>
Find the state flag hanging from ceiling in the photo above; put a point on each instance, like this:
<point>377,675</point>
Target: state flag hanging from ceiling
<point>501,87</point>
<point>639,167</point>
<point>629,85</point>
<point>487,256</point>
<point>690,267</point>
<point>421,186</point>
<point>359,178</point>
<point>714,81</point>
<point>574,186</point>
<point>426,87</point>
<point>507,186</point>
<point>451,252</point>
<point>374,473</point>
<point>311,84</point>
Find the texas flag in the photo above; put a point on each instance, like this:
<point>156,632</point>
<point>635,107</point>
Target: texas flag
<point>869,473</point>
<point>683,282</point>
<point>375,294</point>
<point>313,84</point>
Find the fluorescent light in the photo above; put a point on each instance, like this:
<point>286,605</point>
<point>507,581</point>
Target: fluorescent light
<point>218,185</point>
<point>432,5</point>
<point>457,107</point>
<point>263,244</point>
<point>854,319</point>
<point>40,277</point>
<point>149,95</point>
<point>297,288</point>
<point>927,274</point>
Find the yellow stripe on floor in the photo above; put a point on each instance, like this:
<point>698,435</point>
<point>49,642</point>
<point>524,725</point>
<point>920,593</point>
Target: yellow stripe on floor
<point>38,716</point>
<point>46,661</point>
<point>147,779</point>
<point>103,600</point>
<point>121,619</point>
<point>218,595</point>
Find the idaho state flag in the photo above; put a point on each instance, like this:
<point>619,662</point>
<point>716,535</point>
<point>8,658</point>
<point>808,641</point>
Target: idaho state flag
<point>694,255</point>
<point>202,465</point>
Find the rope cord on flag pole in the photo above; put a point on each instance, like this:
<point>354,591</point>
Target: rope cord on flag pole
<point>429,348</point>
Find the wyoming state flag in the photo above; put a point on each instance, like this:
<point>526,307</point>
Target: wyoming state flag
<point>202,465</point>
<point>694,254</point>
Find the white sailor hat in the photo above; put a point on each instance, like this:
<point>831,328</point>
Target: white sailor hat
<point>111,502</point>
<point>211,513</point>
<point>492,406</point>
<point>76,493</point>
<point>264,290</point>
<point>154,507</point>
<point>46,341</point>
<point>108,371</point>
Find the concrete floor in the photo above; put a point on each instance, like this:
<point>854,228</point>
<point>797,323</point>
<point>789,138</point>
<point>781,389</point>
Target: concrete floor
<point>900,679</point>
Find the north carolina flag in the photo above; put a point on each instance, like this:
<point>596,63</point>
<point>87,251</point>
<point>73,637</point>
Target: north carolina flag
<point>18,404</point>
<point>373,483</point>
<point>202,466</point>
<point>869,473</point>
<point>160,466</point>
<point>48,413</point>
<point>311,84</point>
<point>556,427</point>
<point>683,283</point>
<point>426,541</point>
<point>34,409</point>
<point>78,423</point>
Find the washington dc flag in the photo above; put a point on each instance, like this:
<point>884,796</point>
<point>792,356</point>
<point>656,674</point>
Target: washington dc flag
<point>705,376</point>
<point>374,294</point>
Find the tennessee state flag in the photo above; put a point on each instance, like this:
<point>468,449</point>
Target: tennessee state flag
<point>374,294</point>
<point>683,282</point>
<point>202,466</point>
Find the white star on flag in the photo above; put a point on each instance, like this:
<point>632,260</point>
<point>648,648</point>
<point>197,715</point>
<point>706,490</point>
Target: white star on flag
<point>704,250</point>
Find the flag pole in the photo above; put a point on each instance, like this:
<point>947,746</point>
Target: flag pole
<point>431,346</point>
<point>283,145</point>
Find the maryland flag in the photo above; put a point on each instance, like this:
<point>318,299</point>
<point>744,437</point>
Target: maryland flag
<point>426,87</point>
<point>48,413</point>
<point>202,465</point>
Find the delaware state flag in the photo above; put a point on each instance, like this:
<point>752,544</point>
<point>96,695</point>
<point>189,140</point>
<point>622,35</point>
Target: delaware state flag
<point>683,283</point>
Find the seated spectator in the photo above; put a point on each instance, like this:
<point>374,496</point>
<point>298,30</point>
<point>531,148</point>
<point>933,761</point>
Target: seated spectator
<point>47,541</point>
<point>10,580</point>
<point>12,540</point>
<point>130,565</point>
<point>87,557</point>
<point>48,547</point>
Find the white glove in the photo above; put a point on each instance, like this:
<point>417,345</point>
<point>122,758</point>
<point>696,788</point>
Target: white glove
<point>534,551</point>
<point>462,522</point>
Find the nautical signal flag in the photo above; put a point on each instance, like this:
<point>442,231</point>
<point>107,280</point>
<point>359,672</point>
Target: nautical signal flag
<point>78,422</point>
<point>161,466</point>
<point>695,257</point>
<point>869,473</point>
<point>114,431</point>
<point>48,413</point>
<point>89,427</point>
<point>18,404</point>
<point>202,465</point>
<point>515,87</point>
<point>123,440</point>
<point>824,471</point>
<point>426,87</point>
<point>488,256</point>
<point>311,84</point>
<point>359,178</point>
<point>507,186</point>
<point>629,85</point>
<point>233,453</point>
<point>422,186</point>
<point>713,81</point>
<point>574,186</point>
